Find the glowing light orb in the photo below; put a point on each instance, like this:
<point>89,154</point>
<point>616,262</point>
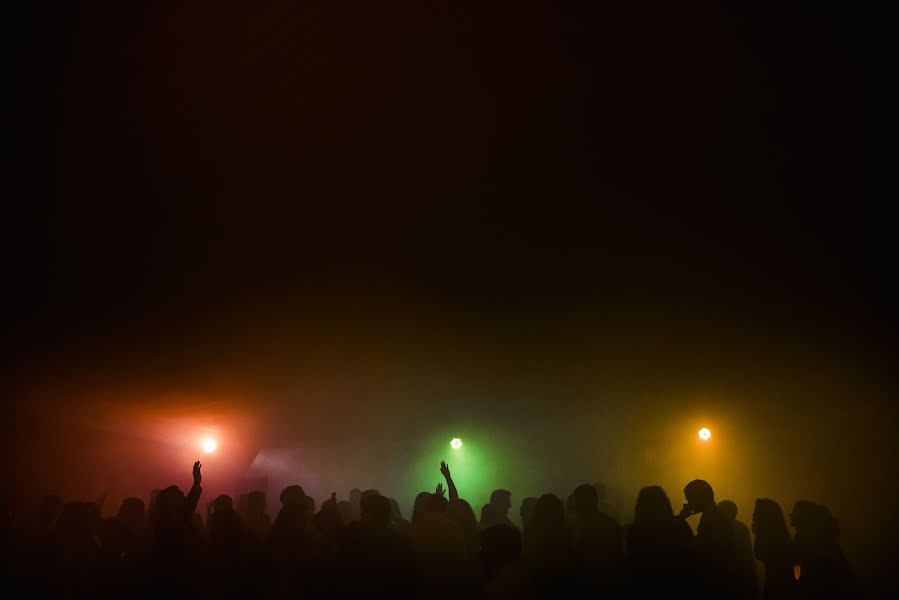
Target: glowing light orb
<point>456,443</point>
<point>209,445</point>
<point>704,434</point>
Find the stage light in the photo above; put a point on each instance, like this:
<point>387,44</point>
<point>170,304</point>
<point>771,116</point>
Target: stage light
<point>209,445</point>
<point>456,443</point>
<point>704,434</point>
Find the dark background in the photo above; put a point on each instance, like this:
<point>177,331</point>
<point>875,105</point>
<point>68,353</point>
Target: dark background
<point>342,224</point>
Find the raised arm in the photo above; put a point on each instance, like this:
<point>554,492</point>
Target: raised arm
<point>193,496</point>
<point>450,485</point>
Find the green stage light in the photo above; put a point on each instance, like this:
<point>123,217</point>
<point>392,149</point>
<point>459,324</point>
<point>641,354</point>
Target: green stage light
<point>456,443</point>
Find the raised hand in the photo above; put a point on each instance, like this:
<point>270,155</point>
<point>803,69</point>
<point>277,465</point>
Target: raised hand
<point>439,491</point>
<point>197,475</point>
<point>444,469</point>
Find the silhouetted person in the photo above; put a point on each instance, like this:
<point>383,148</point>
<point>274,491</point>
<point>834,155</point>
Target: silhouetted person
<point>498,513</point>
<point>127,541</point>
<point>500,555</point>
<point>744,561</point>
<point>546,551</point>
<point>177,548</point>
<point>597,546</point>
<point>526,512</point>
<point>488,516</point>
<point>824,571</point>
<point>346,511</point>
<point>74,561</point>
<point>39,538</point>
<point>459,511</point>
<point>774,548</point>
<point>605,506</point>
<point>328,520</point>
<point>356,503</point>
<point>658,547</point>
<point>374,561</point>
<point>439,547</point>
<point>502,502</point>
<point>258,522</point>
<point>714,562</point>
<point>230,550</point>
<point>292,495</point>
<point>299,557</point>
<point>419,507</point>
<point>397,522</point>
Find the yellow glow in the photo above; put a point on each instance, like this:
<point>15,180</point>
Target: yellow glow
<point>209,445</point>
<point>704,434</point>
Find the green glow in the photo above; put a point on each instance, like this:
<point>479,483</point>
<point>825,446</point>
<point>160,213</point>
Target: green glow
<point>456,443</point>
<point>474,467</point>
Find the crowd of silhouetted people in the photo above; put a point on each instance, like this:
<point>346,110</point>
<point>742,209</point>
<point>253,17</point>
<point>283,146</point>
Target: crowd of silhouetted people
<point>364,547</point>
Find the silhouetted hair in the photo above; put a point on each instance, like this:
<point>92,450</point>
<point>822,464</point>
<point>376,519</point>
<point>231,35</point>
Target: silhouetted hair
<point>549,511</point>
<point>652,506</point>
<point>728,508</point>
<point>585,498</point>
<point>292,494</point>
<point>222,502</point>
<point>131,508</point>
<point>375,510</point>
<point>770,528</point>
<point>500,545</point>
<point>420,506</point>
<point>699,491</point>
<point>499,496</point>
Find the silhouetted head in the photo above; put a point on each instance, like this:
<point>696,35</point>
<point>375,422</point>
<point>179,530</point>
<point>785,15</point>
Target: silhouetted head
<point>355,502</point>
<point>256,503</point>
<point>292,494</point>
<point>803,514</point>
<point>419,507</point>
<point>526,512</point>
<point>652,506</point>
<point>699,495</point>
<point>500,545</point>
<point>436,503</point>
<point>154,494</point>
<point>827,528</point>
<point>768,518</point>
<point>169,502</point>
<point>729,509</point>
<point>131,509</point>
<point>502,500</point>
<point>346,511</point>
<point>585,499</point>
<point>222,503</point>
<point>309,505</point>
<point>375,511</point>
<point>489,515</point>
<point>460,511</point>
<point>330,505</point>
<point>395,512</point>
<point>549,512</point>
